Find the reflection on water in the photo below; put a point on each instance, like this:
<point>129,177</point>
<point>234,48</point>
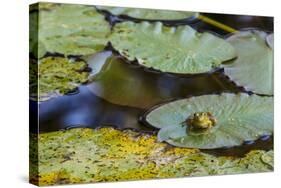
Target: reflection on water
<point>86,110</point>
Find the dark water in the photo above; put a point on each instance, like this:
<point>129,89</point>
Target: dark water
<point>123,92</point>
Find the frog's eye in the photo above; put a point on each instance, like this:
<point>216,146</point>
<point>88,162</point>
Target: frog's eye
<point>204,114</point>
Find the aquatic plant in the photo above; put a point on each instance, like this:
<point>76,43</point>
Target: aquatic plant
<point>106,154</point>
<point>120,84</point>
<point>170,49</point>
<point>57,74</point>
<point>71,30</point>
<point>149,14</point>
<point>253,67</point>
<point>213,121</point>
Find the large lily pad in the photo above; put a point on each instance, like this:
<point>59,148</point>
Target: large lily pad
<point>84,155</point>
<point>56,75</point>
<point>238,118</point>
<point>253,68</point>
<point>150,14</point>
<point>170,49</point>
<point>72,30</point>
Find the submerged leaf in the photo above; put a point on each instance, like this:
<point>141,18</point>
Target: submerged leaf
<point>121,84</point>
<point>150,14</point>
<point>56,75</point>
<point>72,30</point>
<point>238,118</point>
<point>170,49</point>
<point>84,155</point>
<point>253,68</point>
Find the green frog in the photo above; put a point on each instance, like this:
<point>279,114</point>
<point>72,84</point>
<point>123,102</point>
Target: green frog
<point>201,121</point>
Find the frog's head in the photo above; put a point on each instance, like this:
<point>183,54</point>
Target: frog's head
<point>201,121</point>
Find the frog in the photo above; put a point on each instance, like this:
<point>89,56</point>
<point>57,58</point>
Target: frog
<point>201,121</point>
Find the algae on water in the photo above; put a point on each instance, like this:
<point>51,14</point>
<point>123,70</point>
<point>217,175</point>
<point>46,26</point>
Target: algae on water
<point>56,75</point>
<point>106,154</point>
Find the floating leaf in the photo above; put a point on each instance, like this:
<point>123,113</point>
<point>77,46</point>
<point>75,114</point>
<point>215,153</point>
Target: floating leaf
<point>57,74</point>
<point>214,121</point>
<point>253,68</point>
<point>121,84</point>
<point>84,155</point>
<point>33,33</point>
<point>150,14</point>
<point>72,30</point>
<point>170,49</point>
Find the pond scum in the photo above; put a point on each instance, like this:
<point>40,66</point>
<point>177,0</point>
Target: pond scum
<point>83,155</point>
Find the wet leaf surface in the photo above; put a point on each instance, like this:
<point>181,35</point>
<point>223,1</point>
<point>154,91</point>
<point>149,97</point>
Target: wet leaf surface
<point>239,118</point>
<point>169,49</point>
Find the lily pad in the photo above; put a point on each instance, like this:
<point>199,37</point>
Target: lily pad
<point>72,30</point>
<point>33,32</point>
<point>170,49</point>
<point>84,155</point>
<point>236,119</point>
<point>56,75</point>
<point>150,14</point>
<point>253,68</point>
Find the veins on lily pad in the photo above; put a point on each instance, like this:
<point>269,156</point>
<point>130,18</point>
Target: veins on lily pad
<point>253,67</point>
<point>180,50</point>
<point>70,30</point>
<point>213,121</point>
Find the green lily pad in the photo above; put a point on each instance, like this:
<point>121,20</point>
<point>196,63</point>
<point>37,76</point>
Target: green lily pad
<point>253,68</point>
<point>84,155</point>
<point>237,118</point>
<point>169,49</point>
<point>72,30</point>
<point>56,76</point>
<point>150,14</point>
